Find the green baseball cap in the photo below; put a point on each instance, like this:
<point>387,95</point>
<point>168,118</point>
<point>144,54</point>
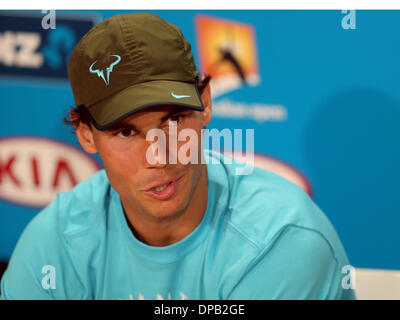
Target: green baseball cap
<point>131,62</point>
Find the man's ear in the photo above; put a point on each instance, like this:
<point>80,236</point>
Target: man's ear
<point>206,98</point>
<point>85,135</point>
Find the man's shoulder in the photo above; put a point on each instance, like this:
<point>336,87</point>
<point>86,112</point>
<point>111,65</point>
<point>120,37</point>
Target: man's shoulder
<point>268,224</point>
<point>262,205</point>
<point>84,195</point>
<point>80,212</point>
<point>76,210</point>
<point>63,235</point>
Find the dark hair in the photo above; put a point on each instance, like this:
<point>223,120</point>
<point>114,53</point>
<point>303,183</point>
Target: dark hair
<point>80,113</point>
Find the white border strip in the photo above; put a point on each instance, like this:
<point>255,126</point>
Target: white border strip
<point>199,5</point>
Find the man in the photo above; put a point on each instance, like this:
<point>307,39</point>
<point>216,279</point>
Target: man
<point>145,229</point>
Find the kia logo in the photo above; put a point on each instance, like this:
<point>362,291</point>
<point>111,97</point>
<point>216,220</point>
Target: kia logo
<point>33,169</point>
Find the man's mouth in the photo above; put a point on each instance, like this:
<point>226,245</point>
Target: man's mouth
<point>162,185</point>
<point>161,188</point>
<point>164,191</point>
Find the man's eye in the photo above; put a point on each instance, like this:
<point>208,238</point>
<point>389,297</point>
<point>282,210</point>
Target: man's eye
<point>175,119</point>
<point>125,133</point>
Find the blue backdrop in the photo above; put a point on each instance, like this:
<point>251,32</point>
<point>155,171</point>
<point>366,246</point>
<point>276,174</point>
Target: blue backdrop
<point>339,88</point>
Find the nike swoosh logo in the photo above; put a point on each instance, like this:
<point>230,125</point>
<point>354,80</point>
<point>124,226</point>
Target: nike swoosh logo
<point>177,96</point>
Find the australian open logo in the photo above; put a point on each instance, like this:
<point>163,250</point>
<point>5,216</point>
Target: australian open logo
<point>227,51</point>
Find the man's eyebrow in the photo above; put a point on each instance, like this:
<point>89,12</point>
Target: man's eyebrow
<point>121,125</point>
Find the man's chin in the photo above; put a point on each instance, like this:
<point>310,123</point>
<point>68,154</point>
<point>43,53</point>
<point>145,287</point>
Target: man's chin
<point>167,211</point>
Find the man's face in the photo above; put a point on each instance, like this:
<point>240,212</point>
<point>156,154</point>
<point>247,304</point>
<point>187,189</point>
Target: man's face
<point>124,151</point>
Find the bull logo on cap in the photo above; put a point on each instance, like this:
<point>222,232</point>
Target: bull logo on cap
<point>109,69</point>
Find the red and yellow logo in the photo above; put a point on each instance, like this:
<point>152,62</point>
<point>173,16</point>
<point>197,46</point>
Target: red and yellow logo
<point>226,51</point>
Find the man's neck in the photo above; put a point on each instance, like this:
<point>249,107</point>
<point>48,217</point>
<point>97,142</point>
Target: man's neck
<point>167,231</point>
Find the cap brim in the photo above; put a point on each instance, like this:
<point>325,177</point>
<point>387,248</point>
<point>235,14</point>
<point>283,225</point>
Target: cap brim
<point>121,105</point>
